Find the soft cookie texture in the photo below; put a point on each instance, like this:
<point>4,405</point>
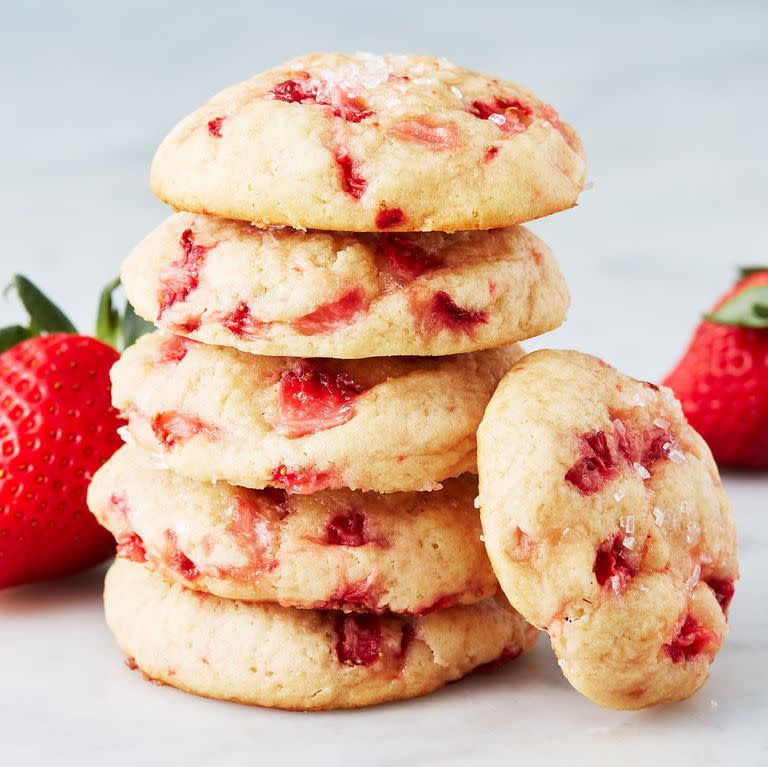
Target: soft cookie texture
<point>383,424</point>
<point>336,549</point>
<point>365,143</point>
<point>324,294</point>
<point>299,659</point>
<point>606,524</point>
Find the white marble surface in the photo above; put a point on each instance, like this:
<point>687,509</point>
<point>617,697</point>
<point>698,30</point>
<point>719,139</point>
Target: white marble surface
<point>671,105</point>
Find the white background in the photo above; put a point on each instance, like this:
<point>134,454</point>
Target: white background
<point>670,100</point>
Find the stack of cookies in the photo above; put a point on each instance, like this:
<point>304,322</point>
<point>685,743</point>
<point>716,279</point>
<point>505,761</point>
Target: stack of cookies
<point>338,300</point>
<point>294,508</point>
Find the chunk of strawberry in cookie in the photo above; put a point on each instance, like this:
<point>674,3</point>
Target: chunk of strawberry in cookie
<point>214,126</point>
<point>691,641</point>
<point>173,427</point>
<point>352,181</point>
<point>597,465</point>
<point>509,115</point>
<point>303,480</point>
<point>177,560</point>
<point>387,218</point>
<point>311,400</point>
<point>438,137</point>
<point>241,323</point>
<point>305,89</point>
<point>182,276</point>
<point>131,546</point>
<point>346,529</point>
<point>723,589</point>
<point>406,259</point>
<point>173,350</point>
<point>441,312</point>
<point>358,639</point>
<point>616,564</point>
<point>333,315</point>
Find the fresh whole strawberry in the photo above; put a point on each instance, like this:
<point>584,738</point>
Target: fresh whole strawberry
<point>57,426</point>
<point>722,379</point>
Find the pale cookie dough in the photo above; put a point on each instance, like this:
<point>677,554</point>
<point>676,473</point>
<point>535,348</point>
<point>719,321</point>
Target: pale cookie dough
<point>382,424</point>
<point>299,659</point>
<point>325,294</point>
<point>336,549</point>
<point>607,525</point>
<point>366,143</point>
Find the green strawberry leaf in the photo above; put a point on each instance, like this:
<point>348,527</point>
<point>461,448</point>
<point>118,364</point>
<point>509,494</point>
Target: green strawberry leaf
<point>108,317</point>
<point>748,271</point>
<point>12,335</point>
<point>133,326</point>
<point>748,309</point>
<point>44,315</point>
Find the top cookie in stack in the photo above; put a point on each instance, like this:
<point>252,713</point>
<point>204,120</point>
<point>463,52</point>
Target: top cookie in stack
<point>355,145</point>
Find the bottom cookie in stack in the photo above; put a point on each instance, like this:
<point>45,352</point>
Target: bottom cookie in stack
<point>288,658</point>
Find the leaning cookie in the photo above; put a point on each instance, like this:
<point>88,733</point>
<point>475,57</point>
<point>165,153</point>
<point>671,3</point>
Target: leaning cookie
<point>606,524</point>
<point>383,424</point>
<point>336,549</point>
<point>365,143</point>
<point>274,656</point>
<point>325,294</point>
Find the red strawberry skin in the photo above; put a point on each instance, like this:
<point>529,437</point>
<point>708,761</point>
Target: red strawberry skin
<point>722,383</point>
<point>57,426</point>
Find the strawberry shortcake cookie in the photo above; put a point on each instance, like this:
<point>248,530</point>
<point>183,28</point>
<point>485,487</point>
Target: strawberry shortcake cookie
<point>273,656</point>
<point>325,294</point>
<point>371,143</point>
<point>336,549</point>
<point>606,524</point>
<point>381,424</point>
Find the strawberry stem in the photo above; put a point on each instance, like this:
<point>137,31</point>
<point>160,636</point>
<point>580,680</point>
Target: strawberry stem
<point>44,315</point>
<point>748,309</point>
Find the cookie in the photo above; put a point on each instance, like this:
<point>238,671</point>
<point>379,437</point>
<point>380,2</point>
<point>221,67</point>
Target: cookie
<point>383,424</point>
<point>606,524</point>
<point>325,294</point>
<point>368,143</point>
<point>279,657</point>
<point>336,549</point>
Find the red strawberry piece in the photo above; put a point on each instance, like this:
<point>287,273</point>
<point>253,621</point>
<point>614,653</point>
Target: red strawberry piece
<point>312,400</point>
<point>509,115</point>
<point>691,641</point>
<point>333,315</point>
<point>722,378</point>
<point>352,182</point>
<point>182,276</point>
<point>241,323</point>
<point>303,480</point>
<point>177,560</point>
<point>406,259</point>
<point>615,565</point>
<point>214,126</point>
<point>131,547</point>
<point>358,639</point>
<point>346,528</point>
<point>312,90</point>
<point>443,313</point>
<point>389,217</point>
<point>723,589</point>
<point>173,350</point>
<point>423,130</point>
<point>173,427</point>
